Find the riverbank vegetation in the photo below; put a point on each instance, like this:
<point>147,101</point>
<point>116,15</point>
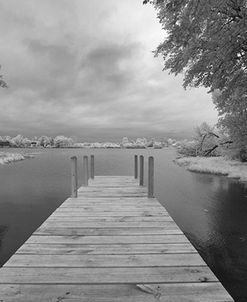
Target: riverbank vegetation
<point>6,157</point>
<point>210,141</point>
<point>206,42</point>
<point>212,151</point>
<point>215,165</point>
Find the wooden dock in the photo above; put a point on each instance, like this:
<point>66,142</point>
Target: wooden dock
<point>110,244</point>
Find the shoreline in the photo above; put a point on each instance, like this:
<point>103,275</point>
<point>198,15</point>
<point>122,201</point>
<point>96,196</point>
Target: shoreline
<point>7,157</point>
<point>215,165</point>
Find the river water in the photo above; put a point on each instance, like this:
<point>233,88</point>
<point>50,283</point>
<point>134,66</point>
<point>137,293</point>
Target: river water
<point>210,209</point>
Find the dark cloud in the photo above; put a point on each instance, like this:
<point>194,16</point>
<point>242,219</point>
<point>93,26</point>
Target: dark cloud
<point>84,68</point>
<point>108,65</point>
<point>52,73</point>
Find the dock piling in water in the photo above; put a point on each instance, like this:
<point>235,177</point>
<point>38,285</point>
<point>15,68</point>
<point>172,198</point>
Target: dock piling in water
<point>136,166</point>
<point>85,171</point>
<point>92,167</point>
<point>74,176</point>
<point>150,177</point>
<point>141,179</point>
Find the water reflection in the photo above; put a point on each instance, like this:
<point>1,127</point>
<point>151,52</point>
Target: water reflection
<point>229,249</point>
<point>3,230</point>
<point>221,236</point>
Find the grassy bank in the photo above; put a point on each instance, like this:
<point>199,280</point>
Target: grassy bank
<point>6,157</point>
<point>215,165</point>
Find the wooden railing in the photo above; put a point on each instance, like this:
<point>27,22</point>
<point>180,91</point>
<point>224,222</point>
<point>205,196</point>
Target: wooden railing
<point>86,176</point>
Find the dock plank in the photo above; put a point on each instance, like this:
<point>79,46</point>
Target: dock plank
<point>102,275</point>
<point>73,238</point>
<point>62,231</point>
<point>146,260</point>
<point>105,249</point>
<point>189,292</point>
<point>100,219</point>
<point>111,243</point>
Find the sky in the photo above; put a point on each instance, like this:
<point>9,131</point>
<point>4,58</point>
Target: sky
<point>86,69</point>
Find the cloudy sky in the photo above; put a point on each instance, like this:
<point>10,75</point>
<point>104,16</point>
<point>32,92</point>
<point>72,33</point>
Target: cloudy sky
<point>86,69</point>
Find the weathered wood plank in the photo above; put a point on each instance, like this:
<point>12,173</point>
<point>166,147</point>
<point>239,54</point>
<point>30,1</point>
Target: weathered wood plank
<point>54,218</point>
<point>95,213</point>
<point>111,206</point>
<point>105,249</point>
<point>103,275</point>
<point>117,189</point>
<point>110,191</point>
<point>103,200</point>
<point>111,199</point>
<point>147,260</point>
<point>114,195</point>
<point>147,239</point>
<point>106,200</point>
<point>107,232</point>
<point>188,292</point>
<point>108,224</point>
<point>121,203</point>
<point>116,207</point>
<point>142,199</point>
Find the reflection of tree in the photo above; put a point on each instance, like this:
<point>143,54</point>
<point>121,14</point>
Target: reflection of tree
<point>226,253</point>
<point>3,230</point>
<point>218,230</point>
<point>3,84</point>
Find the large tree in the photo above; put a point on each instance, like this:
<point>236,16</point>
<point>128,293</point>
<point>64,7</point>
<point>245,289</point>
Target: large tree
<point>206,40</point>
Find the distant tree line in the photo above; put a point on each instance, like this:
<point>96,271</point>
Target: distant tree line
<point>20,141</point>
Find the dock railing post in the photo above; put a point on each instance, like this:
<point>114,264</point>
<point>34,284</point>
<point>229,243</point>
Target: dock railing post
<point>141,179</point>
<point>92,166</point>
<point>151,177</point>
<point>85,171</point>
<point>136,166</point>
<point>74,176</point>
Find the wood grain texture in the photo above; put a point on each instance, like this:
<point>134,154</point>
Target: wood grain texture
<point>72,238</point>
<point>110,244</point>
<point>146,260</point>
<point>105,249</point>
<point>102,275</point>
<point>62,231</point>
<point>188,292</point>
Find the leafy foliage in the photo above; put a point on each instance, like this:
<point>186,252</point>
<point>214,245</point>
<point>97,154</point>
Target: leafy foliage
<point>207,141</point>
<point>187,148</point>
<point>44,141</point>
<point>233,117</point>
<point>62,141</point>
<point>207,41</point>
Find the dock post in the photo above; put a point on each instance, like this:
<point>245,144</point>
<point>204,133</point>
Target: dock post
<point>151,177</point>
<point>85,171</point>
<point>136,167</point>
<point>141,182</point>
<point>74,176</point>
<point>92,167</point>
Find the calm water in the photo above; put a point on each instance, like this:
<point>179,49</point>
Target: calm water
<point>211,210</point>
